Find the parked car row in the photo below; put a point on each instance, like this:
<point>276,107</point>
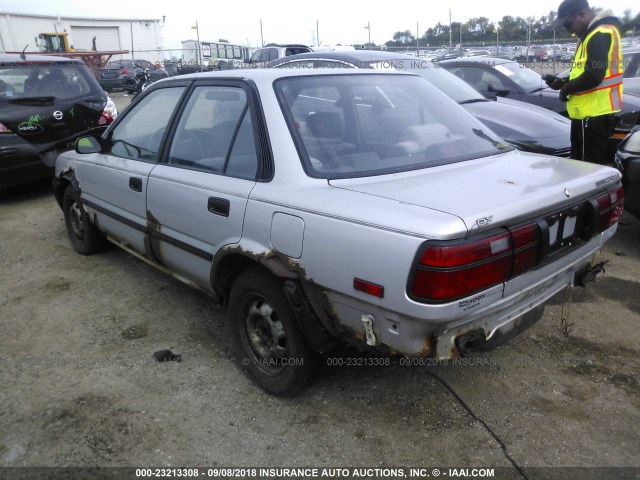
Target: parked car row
<point>121,74</point>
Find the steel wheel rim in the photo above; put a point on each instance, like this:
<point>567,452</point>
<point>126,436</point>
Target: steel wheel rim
<point>75,216</point>
<point>264,336</point>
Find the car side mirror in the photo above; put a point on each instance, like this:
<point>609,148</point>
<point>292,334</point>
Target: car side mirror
<point>91,144</point>
<point>500,90</point>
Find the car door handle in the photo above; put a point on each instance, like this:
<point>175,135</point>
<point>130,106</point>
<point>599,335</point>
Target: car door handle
<point>218,206</point>
<point>135,184</point>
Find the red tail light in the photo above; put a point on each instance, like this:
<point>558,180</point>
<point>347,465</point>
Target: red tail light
<point>105,118</point>
<point>447,271</point>
<point>526,247</point>
<point>610,207</point>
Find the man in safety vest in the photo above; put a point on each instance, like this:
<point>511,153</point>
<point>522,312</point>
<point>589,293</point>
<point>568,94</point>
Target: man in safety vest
<point>593,90</point>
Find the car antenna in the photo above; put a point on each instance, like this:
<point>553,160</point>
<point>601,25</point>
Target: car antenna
<point>22,55</point>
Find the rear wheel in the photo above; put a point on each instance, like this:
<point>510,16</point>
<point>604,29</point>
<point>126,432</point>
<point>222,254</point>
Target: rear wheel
<point>84,236</point>
<point>268,344</point>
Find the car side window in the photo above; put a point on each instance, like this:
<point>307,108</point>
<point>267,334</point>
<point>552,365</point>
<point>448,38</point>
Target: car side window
<point>478,78</point>
<point>215,133</point>
<point>139,134</point>
<point>264,55</point>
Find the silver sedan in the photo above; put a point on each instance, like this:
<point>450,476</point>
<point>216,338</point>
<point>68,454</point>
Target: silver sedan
<point>331,207</point>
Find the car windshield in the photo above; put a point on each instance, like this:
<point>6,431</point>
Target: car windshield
<point>39,80</point>
<point>526,78</point>
<point>360,125</point>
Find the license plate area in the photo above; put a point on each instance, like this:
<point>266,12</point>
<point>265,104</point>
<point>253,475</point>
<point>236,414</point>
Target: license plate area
<point>563,231</point>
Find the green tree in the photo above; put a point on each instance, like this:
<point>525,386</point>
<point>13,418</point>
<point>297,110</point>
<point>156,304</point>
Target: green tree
<point>438,35</point>
<point>404,38</point>
<point>510,28</point>
<point>478,29</point>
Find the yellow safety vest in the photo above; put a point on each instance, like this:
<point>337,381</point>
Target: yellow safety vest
<point>607,96</point>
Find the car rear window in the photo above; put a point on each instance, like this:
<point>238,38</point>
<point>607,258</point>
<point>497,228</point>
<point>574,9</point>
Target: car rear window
<point>31,79</point>
<point>359,125</point>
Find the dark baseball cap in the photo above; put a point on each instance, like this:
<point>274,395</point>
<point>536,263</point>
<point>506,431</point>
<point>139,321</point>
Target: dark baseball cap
<point>567,9</point>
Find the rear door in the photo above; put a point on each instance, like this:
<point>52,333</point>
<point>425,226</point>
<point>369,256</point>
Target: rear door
<point>196,200</point>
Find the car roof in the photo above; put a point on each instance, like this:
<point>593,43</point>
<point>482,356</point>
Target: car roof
<point>487,60</point>
<point>19,58</point>
<point>349,56</point>
<point>267,74</point>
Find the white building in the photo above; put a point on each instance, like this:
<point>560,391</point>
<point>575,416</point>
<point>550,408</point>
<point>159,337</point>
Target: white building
<point>142,37</point>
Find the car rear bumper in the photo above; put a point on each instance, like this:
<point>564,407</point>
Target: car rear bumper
<point>519,308</point>
<point>115,83</point>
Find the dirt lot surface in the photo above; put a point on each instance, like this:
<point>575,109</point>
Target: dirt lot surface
<point>80,386</point>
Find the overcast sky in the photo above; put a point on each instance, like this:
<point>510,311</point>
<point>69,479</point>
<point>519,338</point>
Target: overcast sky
<point>286,21</point>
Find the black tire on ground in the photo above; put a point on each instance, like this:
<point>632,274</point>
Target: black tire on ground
<point>267,342</point>
<point>84,236</point>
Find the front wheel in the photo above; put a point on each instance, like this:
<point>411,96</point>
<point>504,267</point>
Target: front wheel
<point>84,236</point>
<point>267,342</point>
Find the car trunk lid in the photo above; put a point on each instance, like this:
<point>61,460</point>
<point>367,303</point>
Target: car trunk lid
<point>496,191</point>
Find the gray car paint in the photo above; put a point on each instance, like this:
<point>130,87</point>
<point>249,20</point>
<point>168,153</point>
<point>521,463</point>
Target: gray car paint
<point>340,226</point>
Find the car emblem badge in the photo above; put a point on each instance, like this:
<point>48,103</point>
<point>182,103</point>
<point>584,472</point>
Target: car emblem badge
<point>567,192</point>
<point>57,115</point>
<point>483,222</point>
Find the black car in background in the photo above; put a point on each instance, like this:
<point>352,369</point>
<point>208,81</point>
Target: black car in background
<point>45,104</point>
<point>628,162</point>
<point>523,126</point>
<point>119,74</point>
<point>493,76</point>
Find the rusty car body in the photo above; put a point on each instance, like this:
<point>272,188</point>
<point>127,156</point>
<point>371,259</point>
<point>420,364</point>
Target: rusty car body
<point>331,207</point>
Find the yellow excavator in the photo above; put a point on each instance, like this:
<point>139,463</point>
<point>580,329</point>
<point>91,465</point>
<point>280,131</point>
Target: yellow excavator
<point>58,44</point>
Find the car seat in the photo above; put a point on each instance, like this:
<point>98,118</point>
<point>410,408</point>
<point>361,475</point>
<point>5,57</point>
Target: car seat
<point>54,83</point>
<point>326,125</point>
<point>473,76</point>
